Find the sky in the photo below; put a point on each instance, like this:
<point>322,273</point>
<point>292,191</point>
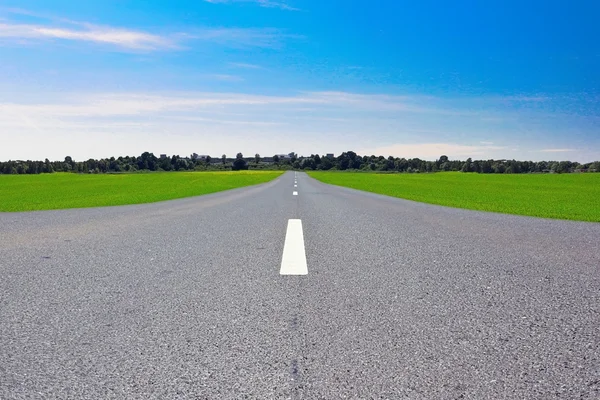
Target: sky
<point>481,79</point>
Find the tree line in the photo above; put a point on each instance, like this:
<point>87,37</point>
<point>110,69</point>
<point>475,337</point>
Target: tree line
<point>346,161</point>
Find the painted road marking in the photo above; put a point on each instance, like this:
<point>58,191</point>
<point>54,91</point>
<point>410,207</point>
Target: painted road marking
<point>295,193</point>
<point>293,261</point>
<point>295,185</point>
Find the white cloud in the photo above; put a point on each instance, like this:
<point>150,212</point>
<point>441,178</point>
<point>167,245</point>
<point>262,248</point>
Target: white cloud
<point>107,105</point>
<point>525,99</point>
<point>431,151</point>
<point>262,3</point>
<point>556,150</point>
<point>226,77</point>
<point>306,122</point>
<point>245,65</point>
<point>124,38</point>
<point>54,29</point>
<point>243,37</point>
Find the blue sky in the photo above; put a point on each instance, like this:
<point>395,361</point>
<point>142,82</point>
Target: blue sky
<point>480,79</point>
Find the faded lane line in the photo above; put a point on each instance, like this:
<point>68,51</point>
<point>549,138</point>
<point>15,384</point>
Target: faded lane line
<point>293,261</point>
<point>295,193</point>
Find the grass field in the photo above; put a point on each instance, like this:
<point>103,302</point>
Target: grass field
<point>65,190</point>
<point>564,196</point>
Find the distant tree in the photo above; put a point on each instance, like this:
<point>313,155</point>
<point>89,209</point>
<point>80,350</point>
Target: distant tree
<point>47,167</point>
<point>224,158</point>
<point>239,163</point>
<point>498,168</point>
<point>257,158</point>
<point>326,164</point>
<point>165,164</point>
<point>308,163</point>
<point>466,167</point>
<point>181,164</point>
<point>563,167</point>
<point>276,159</point>
<point>145,161</point>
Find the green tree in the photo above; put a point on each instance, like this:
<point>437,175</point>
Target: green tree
<point>466,167</point>
<point>239,163</point>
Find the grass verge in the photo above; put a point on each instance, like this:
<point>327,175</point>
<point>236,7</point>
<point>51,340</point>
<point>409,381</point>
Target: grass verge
<point>560,196</point>
<point>65,190</point>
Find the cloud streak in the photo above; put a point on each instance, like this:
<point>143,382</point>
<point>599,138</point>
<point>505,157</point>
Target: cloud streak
<point>262,3</point>
<point>556,150</point>
<point>243,37</point>
<point>226,77</point>
<point>304,122</point>
<point>47,29</point>
<point>245,65</point>
<point>122,38</point>
<point>431,151</point>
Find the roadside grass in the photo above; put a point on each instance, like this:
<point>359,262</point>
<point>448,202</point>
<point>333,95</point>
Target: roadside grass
<point>66,190</point>
<point>560,196</point>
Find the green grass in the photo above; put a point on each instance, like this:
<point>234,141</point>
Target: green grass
<point>564,196</point>
<point>65,190</point>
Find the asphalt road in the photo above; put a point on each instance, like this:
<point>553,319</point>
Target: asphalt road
<point>184,300</point>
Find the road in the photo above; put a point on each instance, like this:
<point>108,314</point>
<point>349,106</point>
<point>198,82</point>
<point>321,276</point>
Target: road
<point>184,300</point>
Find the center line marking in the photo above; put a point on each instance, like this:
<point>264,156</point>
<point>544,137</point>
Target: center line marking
<point>295,193</point>
<point>293,261</point>
<point>295,185</point>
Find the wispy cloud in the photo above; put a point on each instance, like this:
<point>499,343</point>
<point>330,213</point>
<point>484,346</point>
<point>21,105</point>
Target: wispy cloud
<point>305,122</point>
<point>432,150</point>
<point>525,99</point>
<point>245,65</point>
<point>556,150</point>
<point>243,37</point>
<point>123,38</point>
<point>108,104</point>
<point>226,77</point>
<point>317,104</point>
<point>45,29</point>
<point>262,3</point>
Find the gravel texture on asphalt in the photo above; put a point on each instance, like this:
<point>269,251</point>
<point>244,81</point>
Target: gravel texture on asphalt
<point>183,300</point>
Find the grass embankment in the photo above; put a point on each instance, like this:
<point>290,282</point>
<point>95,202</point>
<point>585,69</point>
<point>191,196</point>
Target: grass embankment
<point>65,190</point>
<point>564,196</point>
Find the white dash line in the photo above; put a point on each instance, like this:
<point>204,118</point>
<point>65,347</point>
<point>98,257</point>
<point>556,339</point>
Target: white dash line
<point>293,261</point>
<point>295,185</point>
<point>295,193</point>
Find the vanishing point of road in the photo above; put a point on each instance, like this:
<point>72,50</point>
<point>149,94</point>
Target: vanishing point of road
<point>297,290</point>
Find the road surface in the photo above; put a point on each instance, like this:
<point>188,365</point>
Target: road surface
<point>186,299</point>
